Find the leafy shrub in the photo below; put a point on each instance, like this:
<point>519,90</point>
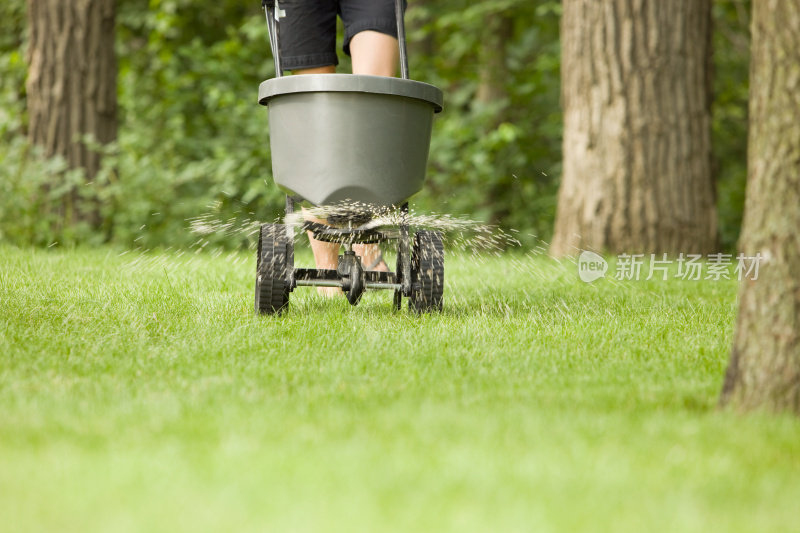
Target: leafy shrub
<point>192,135</point>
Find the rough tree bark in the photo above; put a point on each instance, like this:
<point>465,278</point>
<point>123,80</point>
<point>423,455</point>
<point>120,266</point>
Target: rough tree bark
<point>764,370</point>
<point>72,78</point>
<point>636,83</point>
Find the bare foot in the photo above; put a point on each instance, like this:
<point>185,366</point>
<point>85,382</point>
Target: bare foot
<point>371,258</point>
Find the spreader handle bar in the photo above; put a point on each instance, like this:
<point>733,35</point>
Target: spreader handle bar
<point>270,7</point>
<point>272,28</point>
<point>401,38</point>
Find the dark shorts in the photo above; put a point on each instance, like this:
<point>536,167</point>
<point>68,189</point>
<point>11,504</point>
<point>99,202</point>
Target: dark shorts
<point>307,32</point>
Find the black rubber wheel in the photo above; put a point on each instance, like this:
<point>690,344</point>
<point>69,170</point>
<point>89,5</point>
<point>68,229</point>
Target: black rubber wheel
<point>397,300</point>
<point>272,292</point>
<point>427,272</point>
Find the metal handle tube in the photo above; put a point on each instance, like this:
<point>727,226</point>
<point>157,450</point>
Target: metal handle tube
<point>401,38</point>
<point>272,29</point>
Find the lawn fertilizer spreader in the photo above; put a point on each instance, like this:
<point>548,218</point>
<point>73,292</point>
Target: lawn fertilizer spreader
<point>357,144</point>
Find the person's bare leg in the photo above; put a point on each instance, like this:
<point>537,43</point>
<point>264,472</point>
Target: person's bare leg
<point>326,255</point>
<point>329,69</point>
<point>376,54</point>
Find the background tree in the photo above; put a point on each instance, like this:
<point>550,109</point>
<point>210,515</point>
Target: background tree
<point>636,93</point>
<point>72,82</point>
<point>764,370</point>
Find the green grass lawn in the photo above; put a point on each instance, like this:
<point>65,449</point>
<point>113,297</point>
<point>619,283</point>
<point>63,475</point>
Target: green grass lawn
<point>140,393</point>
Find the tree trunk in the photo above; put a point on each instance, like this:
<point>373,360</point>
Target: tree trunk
<point>636,85</point>
<point>72,78</point>
<point>493,71</point>
<point>493,75</point>
<point>764,370</point>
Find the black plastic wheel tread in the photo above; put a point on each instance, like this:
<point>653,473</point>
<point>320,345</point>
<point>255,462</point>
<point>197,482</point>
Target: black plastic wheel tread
<point>272,293</point>
<point>427,272</point>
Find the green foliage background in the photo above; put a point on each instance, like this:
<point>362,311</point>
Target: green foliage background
<point>192,135</point>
